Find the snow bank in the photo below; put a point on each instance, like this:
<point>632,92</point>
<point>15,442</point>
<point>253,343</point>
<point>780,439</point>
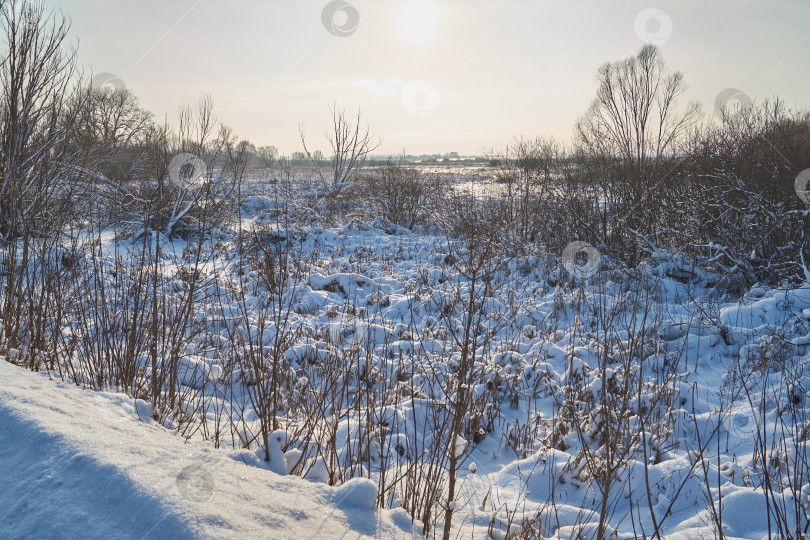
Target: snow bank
<point>71,469</point>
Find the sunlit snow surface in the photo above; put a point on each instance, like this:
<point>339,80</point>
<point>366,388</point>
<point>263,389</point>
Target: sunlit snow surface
<point>82,463</point>
<point>72,468</point>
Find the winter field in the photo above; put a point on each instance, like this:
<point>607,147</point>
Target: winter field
<point>640,399</point>
<point>601,337</point>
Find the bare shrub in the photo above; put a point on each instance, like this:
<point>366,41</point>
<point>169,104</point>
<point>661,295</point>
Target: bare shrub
<point>403,195</point>
<point>526,169</point>
<point>631,136</point>
<point>351,145</point>
<point>747,217</point>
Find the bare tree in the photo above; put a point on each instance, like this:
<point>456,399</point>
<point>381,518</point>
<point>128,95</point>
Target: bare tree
<point>114,117</point>
<point>112,129</point>
<point>631,134</point>
<point>268,155</point>
<point>351,145</point>
<point>635,116</point>
<point>194,130</point>
<point>180,186</point>
<point>36,77</point>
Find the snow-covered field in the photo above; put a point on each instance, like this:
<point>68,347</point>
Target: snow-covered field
<point>601,332</point>
<point>71,468</point>
<point>646,401</point>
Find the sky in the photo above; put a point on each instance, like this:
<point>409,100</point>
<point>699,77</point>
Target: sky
<point>430,76</point>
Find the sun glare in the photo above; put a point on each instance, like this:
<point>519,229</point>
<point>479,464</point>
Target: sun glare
<point>418,20</point>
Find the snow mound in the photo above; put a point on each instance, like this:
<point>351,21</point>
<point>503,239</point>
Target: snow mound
<point>70,472</point>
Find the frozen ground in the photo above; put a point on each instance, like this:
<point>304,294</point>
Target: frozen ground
<point>73,466</point>
<point>705,396</point>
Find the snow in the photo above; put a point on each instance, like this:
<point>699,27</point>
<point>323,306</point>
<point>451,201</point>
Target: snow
<point>72,470</point>
<point>374,307</point>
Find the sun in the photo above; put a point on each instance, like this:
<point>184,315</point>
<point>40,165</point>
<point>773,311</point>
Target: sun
<point>418,20</point>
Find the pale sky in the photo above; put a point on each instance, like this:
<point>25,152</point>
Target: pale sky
<point>431,76</point>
